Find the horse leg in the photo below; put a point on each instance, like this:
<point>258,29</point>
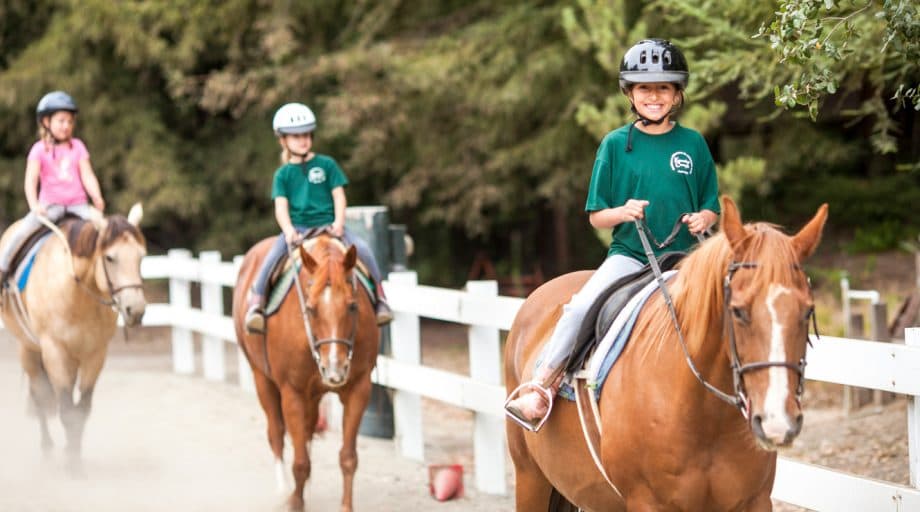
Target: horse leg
<point>270,399</point>
<point>532,490</point>
<point>62,370</point>
<point>40,391</point>
<point>354,402</point>
<point>294,412</point>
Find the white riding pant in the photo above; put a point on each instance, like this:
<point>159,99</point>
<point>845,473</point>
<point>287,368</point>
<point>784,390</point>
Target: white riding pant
<point>562,342</point>
<point>30,224</point>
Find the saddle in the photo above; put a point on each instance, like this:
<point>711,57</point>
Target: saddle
<point>609,304</point>
<point>282,276</point>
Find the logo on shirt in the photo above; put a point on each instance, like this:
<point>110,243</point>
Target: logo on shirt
<point>316,175</point>
<point>64,169</point>
<point>681,163</point>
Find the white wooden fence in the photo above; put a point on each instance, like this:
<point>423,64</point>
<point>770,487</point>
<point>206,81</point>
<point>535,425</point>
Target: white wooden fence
<point>882,366</point>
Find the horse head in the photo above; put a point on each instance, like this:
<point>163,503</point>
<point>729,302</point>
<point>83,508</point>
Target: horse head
<point>768,306</point>
<point>119,248</point>
<point>331,305</point>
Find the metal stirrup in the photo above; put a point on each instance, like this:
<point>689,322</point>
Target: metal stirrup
<point>548,394</point>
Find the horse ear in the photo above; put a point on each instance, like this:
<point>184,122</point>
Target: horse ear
<point>351,257</point>
<point>731,224</point>
<point>136,214</point>
<point>308,262</point>
<point>806,241</point>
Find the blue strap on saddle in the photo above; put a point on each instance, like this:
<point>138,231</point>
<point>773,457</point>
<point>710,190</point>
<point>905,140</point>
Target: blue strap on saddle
<point>25,267</point>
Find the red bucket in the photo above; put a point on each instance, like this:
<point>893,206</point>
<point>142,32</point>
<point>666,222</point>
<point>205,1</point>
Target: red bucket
<point>445,481</point>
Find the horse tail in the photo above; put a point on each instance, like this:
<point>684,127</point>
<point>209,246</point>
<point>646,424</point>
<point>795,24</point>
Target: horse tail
<point>558,503</point>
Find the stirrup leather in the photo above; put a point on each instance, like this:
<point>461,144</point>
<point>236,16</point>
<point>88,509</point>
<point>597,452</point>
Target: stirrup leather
<point>531,425</point>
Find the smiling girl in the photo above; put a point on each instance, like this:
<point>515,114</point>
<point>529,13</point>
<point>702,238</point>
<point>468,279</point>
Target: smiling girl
<point>652,163</point>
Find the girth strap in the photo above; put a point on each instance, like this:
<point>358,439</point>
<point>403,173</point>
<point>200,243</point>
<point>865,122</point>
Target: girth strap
<point>591,429</point>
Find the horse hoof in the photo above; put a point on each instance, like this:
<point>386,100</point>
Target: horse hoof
<point>295,504</point>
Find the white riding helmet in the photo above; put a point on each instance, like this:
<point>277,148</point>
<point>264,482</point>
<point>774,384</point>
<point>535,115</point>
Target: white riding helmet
<point>293,118</point>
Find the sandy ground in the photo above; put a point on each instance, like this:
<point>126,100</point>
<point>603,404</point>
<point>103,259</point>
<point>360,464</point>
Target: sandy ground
<point>161,442</point>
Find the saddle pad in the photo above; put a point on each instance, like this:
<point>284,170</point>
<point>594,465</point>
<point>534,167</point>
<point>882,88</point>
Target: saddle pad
<point>613,342</point>
<point>21,276</point>
<point>283,285</point>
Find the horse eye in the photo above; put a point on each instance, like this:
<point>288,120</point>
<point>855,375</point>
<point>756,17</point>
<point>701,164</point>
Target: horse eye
<point>741,315</point>
<point>352,306</point>
<point>110,258</point>
<point>311,310</point>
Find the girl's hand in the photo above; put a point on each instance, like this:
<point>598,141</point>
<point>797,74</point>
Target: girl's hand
<point>633,209</point>
<point>40,210</point>
<point>337,229</point>
<point>99,203</point>
<point>291,236</point>
<point>697,222</point>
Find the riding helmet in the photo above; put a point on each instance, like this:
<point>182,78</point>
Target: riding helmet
<point>293,118</point>
<point>653,60</point>
<point>53,102</point>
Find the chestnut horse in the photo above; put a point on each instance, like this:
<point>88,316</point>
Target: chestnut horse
<point>329,345</point>
<point>81,279</point>
<point>669,443</point>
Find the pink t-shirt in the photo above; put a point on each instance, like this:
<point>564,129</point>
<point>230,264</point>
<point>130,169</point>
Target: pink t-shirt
<point>59,174</point>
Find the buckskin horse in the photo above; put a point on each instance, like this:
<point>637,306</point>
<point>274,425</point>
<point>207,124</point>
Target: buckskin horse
<point>669,441</point>
<point>81,279</point>
<point>329,345</point>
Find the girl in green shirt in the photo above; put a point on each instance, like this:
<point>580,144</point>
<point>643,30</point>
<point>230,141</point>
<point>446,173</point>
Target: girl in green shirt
<point>308,191</point>
<point>652,169</point>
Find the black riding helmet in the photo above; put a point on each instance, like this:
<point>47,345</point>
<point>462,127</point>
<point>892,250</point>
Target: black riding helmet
<point>649,61</point>
<point>53,102</point>
<point>653,60</point>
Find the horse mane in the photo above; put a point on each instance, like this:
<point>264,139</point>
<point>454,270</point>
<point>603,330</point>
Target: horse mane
<point>330,268</point>
<point>697,290</point>
<point>83,237</point>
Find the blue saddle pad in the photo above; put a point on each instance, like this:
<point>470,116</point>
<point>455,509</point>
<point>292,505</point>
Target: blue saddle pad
<point>24,269</point>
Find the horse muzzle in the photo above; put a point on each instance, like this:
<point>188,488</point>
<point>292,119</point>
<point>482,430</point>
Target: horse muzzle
<point>776,431</point>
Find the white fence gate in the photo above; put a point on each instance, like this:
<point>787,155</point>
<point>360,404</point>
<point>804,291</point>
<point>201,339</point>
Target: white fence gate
<point>882,366</point>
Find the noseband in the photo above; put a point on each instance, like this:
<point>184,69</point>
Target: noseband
<point>305,312</point>
<point>112,289</point>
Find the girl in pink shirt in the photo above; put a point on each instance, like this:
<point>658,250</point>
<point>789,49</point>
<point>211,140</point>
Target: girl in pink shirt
<point>59,177</point>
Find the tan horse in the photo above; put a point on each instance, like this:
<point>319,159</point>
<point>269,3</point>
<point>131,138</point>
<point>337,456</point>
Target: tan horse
<point>70,303</point>
<point>331,346</point>
<point>668,443</point>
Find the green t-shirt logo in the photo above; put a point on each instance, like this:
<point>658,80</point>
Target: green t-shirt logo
<point>316,175</point>
<point>681,162</point>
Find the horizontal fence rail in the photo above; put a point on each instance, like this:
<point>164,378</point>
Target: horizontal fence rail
<point>867,364</point>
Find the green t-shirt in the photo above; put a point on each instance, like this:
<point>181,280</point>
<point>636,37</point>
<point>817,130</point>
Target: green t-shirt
<point>673,171</point>
<point>308,188</point>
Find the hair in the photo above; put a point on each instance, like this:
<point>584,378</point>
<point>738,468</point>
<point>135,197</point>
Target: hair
<point>83,236</point>
<point>330,268</point>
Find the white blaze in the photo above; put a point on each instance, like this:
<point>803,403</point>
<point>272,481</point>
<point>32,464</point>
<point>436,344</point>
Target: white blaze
<point>775,423</point>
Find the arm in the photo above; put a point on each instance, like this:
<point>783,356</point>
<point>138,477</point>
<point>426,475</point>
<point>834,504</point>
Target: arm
<point>91,184</point>
<point>610,217</point>
<point>339,201</point>
<point>31,186</point>
<point>283,216</point>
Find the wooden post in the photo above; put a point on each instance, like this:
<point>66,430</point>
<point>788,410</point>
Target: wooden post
<point>407,347</point>
<point>180,297</point>
<point>212,303</point>
<point>489,429</point>
<point>912,338</point>
<point>243,370</point>
<point>853,397</point>
<point>880,333</point>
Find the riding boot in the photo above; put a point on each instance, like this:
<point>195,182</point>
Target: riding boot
<point>384,313</point>
<point>535,402</point>
<point>255,314</point>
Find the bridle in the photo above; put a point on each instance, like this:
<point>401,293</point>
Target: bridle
<point>306,312</point>
<point>113,290</point>
<point>740,398</point>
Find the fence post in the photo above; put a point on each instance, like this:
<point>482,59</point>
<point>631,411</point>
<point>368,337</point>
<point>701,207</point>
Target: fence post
<point>180,297</point>
<point>212,303</point>
<point>912,338</point>
<point>489,429</point>
<point>406,347</point>
<point>880,334</point>
<point>243,370</point>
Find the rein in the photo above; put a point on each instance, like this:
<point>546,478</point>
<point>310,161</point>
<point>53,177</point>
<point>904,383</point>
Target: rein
<point>739,399</point>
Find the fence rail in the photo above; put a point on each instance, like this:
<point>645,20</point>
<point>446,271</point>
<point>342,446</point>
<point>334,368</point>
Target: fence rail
<point>882,366</point>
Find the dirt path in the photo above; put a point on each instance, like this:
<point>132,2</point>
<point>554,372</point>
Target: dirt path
<point>161,442</point>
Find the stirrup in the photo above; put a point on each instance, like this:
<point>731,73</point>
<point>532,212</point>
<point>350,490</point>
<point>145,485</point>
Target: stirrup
<point>255,321</point>
<point>536,424</point>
